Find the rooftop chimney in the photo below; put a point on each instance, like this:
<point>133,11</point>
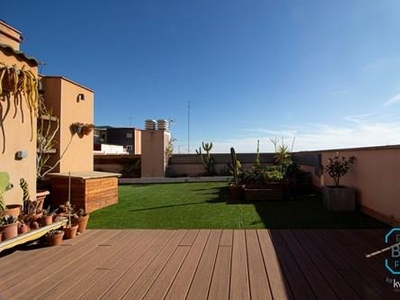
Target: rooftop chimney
<point>10,36</point>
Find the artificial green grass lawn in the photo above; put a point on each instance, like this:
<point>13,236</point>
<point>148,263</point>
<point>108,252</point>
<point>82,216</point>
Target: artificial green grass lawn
<point>207,205</point>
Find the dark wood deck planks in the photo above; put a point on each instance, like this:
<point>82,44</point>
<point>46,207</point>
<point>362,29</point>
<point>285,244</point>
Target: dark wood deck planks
<point>201,264</point>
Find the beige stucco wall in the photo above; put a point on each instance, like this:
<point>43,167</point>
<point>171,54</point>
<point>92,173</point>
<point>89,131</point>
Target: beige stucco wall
<point>61,96</point>
<point>154,143</point>
<point>138,142</point>
<point>9,36</point>
<point>18,138</point>
<point>375,175</point>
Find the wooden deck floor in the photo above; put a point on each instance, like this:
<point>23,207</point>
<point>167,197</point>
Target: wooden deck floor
<point>201,264</point>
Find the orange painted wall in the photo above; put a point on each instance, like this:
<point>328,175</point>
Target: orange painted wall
<point>61,96</point>
<point>376,176</point>
<point>18,138</point>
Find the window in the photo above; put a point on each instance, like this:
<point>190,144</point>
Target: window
<point>129,135</point>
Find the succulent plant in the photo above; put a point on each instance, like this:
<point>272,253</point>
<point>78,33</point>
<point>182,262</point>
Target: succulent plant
<point>5,185</point>
<point>8,219</point>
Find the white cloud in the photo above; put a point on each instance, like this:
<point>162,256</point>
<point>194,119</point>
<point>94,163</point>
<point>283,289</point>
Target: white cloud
<point>316,137</point>
<point>393,100</point>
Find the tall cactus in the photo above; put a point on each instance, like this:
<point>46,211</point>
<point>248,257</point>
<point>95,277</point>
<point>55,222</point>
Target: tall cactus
<point>235,166</point>
<point>207,160</point>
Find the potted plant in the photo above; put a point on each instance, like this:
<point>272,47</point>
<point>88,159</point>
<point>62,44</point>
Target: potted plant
<point>87,128</point>
<point>5,185</point>
<point>47,217</point>
<point>54,237</point>
<point>8,226</point>
<point>206,159</point>
<point>81,129</point>
<point>67,210</point>
<point>268,182</point>
<point>81,219</point>
<point>22,227</point>
<point>236,186</point>
<point>70,229</point>
<point>338,197</point>
<point>16,84</point>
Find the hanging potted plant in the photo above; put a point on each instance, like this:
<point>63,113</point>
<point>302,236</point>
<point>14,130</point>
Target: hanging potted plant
<point>87,128</point>
<point>338,197</point>
<point>15,85</point>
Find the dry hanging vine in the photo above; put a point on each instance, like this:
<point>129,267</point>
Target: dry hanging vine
<point>17,84</point>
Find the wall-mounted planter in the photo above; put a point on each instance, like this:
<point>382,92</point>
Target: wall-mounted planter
<point>81,129</point>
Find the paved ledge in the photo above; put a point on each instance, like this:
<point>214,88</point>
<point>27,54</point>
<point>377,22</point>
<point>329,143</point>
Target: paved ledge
<point>173,179</point>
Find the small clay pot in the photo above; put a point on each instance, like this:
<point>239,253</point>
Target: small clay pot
<point>46,220</point>
<point>70,231</point>
<point>54,239</point>
<point>23,228</point>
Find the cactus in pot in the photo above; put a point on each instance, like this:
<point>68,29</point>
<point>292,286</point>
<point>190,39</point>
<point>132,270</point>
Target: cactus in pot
<point>5,185</point>
<point>236,189</point>
<point>236,167</point>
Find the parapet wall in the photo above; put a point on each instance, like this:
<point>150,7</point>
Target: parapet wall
<point>375,174</point>
<point>376,177</point>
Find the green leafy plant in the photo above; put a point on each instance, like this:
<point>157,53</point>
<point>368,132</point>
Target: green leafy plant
<point>338,166</point>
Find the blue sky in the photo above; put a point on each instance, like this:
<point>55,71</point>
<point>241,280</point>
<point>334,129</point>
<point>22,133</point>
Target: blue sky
<point>324,74</point>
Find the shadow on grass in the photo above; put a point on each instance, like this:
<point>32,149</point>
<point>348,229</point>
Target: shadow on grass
<point>305,212</point>
<point>166,206</point>
<point>309,213</point>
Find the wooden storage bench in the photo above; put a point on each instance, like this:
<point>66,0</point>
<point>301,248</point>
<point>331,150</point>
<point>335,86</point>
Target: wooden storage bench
<point>89,190</point>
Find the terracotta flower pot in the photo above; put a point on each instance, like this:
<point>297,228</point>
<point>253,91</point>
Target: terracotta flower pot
<point>40,196</point>
<point>13,210</point>
<point>46,220</point>
<point>23,228</point>
<point>54,239</point>
<point>70,231</point>
<point>9,231</point>
<point>34,225</point>
<point>82,223</point>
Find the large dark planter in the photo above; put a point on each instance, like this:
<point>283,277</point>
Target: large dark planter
<point>270,191</point>
<point>339,198</point>
<point>236,192</point>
